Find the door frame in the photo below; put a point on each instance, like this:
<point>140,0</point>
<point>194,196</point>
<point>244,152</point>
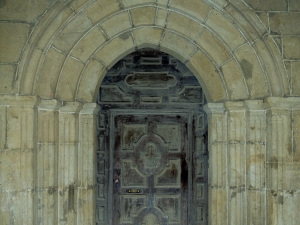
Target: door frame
<point>115,112</point>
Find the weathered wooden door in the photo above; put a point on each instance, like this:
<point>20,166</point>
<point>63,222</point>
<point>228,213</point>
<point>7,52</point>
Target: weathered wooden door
<point>152,157</point>
<point>151,169</point>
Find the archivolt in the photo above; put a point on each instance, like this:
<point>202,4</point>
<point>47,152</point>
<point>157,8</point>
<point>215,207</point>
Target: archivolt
<point>74,44</point>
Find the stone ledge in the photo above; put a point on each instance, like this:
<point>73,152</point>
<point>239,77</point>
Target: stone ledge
<point>16,100</point>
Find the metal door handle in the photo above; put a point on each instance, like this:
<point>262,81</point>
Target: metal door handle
<point>133,191</point>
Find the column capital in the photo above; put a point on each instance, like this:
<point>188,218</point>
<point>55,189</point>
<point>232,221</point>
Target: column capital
<point>71,107</point>
<point>90,109</point>
<point>234,106</point>
<point>256,105</point>
<point>51,104</point>
<point>214,108</point>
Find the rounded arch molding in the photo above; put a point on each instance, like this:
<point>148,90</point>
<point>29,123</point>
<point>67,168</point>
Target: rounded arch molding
<point>223,43</point>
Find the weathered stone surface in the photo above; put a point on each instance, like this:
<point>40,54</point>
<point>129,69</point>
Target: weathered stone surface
<point>7,77</point>
<point>3,122</point>
<point>225,29</point>
<point>19,165</point>
<point>296,136</point>
<point>184,25</point>
<point>143,16</point>
<point>68,79</point>
<point>54,21</point>
<point>218,208</point>
<point>13,39</point>
<point>49,73</point>
<point>116,49</point>
<point>16,10</point>
<point>284,23</point>
<point>12,207</point>
<point>214,47</point>
<point>235,82</point>
<point>86,213</point>
<point>36,59</point>
<point>20,129</point>
<point>147,37</point>
<point>90,81</point>
<point>294,5</point>
<point>130,3</point>
<point>257,206</point>
<point>242,21</point>
<point>198,9</point>
<point>295,82</point>
<point>67,37</point>
<point>291,47</point>
<point>208,77</point>
<point>80,4</point>
<point>219,4</point>
<point>161,17</point>
<point>88,44</point>
<point>253,73</point>
<point>116,24</point>
<point>268,5</point>
<point>162,2</point>
<point>177,46</point>
<point>100,9</point>
<point>264,17</point>
<point>275,80</point>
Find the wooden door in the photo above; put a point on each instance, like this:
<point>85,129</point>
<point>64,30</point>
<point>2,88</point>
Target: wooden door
<point>151,169</point>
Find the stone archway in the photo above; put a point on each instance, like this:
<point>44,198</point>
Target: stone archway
<point>198,33</point>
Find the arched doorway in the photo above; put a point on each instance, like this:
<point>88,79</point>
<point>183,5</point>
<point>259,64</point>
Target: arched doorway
<point>152,155</point>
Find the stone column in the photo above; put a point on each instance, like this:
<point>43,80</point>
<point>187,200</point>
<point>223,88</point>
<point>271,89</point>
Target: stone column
<point>17,149</point>
<point>237,157</point>
<point>256,161</point>
<point>87,159</point>
<point>218,164</point>
<point>68,162</point>
<point>237,161</point>
<point>283,161</point>
<point>47,162</point>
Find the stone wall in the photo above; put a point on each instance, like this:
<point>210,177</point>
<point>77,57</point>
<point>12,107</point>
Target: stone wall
<point>55,53</point>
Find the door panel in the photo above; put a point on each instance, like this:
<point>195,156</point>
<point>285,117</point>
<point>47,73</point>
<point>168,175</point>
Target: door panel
<point>150,169</point>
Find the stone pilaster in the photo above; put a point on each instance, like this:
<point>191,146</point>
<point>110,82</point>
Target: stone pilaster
<point>17,147</point>
<point>87,159</point>
<point>68,162</point>
<point>256,161</point>
<point>218,164</point>
<point>283,185</point>
<point>237,158</point>
<point>47,162</point>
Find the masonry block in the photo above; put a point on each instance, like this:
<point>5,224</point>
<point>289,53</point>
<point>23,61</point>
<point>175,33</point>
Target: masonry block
<point>147,37</point>
<point>291,47</point>
<point>116,24</point>
<point>143,16</point>
<point>88,44</point>
<point>67,37</point>
<point>184,25</point>
<point>7,77</point>
<point>13,39</point>
<point>284,23</point>
<point>100,9</point>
